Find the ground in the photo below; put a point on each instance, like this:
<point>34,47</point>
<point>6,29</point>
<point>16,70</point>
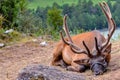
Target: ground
<point>15,57</point>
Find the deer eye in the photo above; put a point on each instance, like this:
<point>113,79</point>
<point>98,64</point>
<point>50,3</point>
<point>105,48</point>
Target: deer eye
<point>102,59</point>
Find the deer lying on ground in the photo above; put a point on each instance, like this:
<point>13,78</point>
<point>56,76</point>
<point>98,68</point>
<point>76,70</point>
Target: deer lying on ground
<point>86,50</point>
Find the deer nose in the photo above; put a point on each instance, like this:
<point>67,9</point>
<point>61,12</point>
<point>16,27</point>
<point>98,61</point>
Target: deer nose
<point>98,73</point>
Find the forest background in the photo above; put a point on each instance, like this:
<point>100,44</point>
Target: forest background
<point>45,17</point>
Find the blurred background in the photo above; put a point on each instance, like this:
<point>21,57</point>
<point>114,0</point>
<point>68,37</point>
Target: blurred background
<point>35,18</point>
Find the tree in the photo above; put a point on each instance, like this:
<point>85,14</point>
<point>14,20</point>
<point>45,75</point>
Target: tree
<point>68,9</point>
<point>54,18</point>
<point>117,13</point>
<point>28,22</point>
<point>56,5</point>
<point>10,9</point>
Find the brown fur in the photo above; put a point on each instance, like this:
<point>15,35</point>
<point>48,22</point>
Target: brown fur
<point>64,52</point>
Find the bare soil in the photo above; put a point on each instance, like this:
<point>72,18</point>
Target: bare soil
<point>15,57</point>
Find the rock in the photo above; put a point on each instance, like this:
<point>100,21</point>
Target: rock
<point>8,31</point>
<point>34,40</point>
<point>43,44</point>
<point>2,45</point>
<point>40,72</point>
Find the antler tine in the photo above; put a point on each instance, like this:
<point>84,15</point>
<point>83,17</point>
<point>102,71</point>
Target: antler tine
<point>74,47</point>
<point>67,42</point>
<point>111,23</point>
<point>107,8</point>
<point>88,51</point>
<point>65,27</point>
<point>96,45</point>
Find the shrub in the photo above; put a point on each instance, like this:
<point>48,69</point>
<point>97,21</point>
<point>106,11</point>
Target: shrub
<point>8,37</point>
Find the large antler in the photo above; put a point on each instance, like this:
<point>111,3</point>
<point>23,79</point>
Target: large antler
<point>74,47</point>
<point>111,23</point>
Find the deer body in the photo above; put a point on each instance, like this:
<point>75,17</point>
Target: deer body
<point>89,49</point>
<point>88,37</point>
<point>64,52</point>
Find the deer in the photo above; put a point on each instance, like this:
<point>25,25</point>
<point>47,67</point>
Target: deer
<point>88,50</point>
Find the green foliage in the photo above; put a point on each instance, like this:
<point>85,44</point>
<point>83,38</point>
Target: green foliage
<point>33,4</point>
<point>2,19</point>
<point>12,36</point>
<point>54,19</point>
<point>77,31</point>
<point>28,23</point>
<point>2,35</point>
<point>45,3</point>
<point>10,9</point>
<point>83,15</point>
<point>1,31</point>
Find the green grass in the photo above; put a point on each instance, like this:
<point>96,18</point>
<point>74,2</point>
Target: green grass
<point>45,3</point>
<point>97,1</point>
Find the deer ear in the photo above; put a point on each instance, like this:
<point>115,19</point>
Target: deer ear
<point>108,48</point>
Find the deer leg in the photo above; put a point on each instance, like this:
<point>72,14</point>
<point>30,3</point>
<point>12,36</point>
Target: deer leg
<point>55,60</point>
<point>58,61</point>
<point>80,68</point>
<point>57,56</point>
<point>61,63</point>
<point>76,67</point>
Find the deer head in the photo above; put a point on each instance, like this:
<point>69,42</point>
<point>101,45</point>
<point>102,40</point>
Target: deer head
<point>98,62</point>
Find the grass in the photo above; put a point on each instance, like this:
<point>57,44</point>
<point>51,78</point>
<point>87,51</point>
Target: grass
<point>44,3</point>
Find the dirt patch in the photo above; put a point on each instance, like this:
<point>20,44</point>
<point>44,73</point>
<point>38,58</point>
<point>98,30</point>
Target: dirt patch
<point>16,57</point>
